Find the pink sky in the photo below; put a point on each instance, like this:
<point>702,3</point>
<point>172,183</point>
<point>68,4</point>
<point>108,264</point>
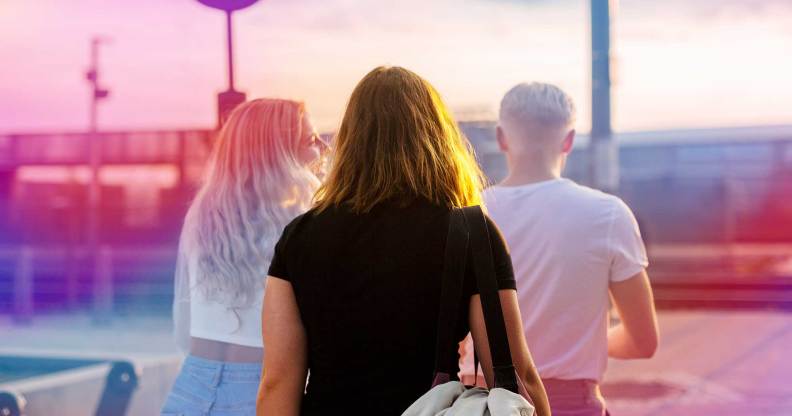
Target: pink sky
<point>678,63</point>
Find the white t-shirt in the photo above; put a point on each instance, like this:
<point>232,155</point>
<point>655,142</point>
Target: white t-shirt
<point>567,242</point>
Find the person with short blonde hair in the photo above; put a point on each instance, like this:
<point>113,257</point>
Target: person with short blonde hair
<point>572,248</point>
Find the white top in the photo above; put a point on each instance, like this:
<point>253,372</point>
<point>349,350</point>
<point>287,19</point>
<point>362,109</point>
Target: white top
<point>567,242</point>
<point>213,320</point>
<point>196,316</point>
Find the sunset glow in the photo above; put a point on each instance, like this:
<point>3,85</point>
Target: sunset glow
<point>165,60</point>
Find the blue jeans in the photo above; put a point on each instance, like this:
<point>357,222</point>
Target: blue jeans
<point>213,388</point>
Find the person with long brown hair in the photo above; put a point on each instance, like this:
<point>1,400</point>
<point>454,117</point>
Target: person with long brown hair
<point>354,286</point>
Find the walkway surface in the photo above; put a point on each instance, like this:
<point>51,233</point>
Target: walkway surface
<point>709,362</point>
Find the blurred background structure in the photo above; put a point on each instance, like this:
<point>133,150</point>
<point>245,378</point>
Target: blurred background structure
<point>712,204</point>
<point>695,135</point>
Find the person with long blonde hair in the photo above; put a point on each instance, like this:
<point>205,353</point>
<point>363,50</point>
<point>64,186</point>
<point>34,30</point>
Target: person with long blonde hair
<point>260,176</point>
<point>354,286</point>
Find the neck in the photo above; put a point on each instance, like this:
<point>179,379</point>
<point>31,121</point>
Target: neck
<point>525,172</point>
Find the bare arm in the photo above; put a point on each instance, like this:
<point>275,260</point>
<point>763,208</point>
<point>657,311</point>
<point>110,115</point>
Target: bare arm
<point>637,334</point>
<point>285,360</point>
<point>519,348</point>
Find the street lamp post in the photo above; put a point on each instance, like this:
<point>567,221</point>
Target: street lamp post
<point>102,301</point>
<point>230,98</point>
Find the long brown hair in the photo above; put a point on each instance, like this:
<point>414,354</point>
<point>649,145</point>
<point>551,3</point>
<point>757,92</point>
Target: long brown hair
<point>398,140</point>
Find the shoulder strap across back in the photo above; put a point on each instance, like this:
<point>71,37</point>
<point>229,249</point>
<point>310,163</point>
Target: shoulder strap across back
<point>467,226</point>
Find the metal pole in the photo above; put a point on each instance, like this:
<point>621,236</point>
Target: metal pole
<point>103,290</point>
<point>603,151</point>
<point>94,149</point>
<point>93,146</point>
<point>229,99</point>
<point>94,79</point>
<point>95,161</point>
<point>182,161</point>
<point>23,286</point>
<point>230,43</point>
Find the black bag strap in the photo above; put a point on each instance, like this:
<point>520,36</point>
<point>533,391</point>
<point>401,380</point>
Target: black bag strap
<point>484,269</point>
<point>468,226</point>
<point>446,357</point>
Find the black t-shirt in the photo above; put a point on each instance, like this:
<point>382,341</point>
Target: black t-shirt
<point>368,292</point>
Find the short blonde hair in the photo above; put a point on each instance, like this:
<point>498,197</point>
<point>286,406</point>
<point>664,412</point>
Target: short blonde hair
<point>543,105</point>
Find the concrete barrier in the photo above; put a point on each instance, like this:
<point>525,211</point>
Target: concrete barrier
<point>77,386</point>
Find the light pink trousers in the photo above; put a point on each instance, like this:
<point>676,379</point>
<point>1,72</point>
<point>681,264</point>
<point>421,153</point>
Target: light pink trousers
<point>574,397</point>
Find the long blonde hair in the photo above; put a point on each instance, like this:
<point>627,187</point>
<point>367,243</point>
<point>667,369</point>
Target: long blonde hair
<point>253,187</point>
<point>397,140</point>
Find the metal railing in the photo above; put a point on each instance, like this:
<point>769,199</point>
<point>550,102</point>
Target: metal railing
<point>121,147</point>
<point>25,259</point>
<point>672,266</point>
